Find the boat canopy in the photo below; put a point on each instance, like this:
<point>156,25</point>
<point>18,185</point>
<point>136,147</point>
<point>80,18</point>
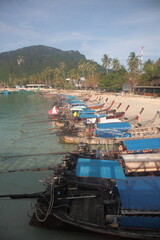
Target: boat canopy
<point>92,115</point>
<point>77,108</point>
<point>146,157</point>
<point>113,129</point>
<point>121,126</point>
<point>88,111</point>
<point>110,120</point>
<point>140,193</point>
<point>111,133</point>
<point>142,144</point>
<point>69,96</point>
<point>99,168</point>
<point>88,115</point>
<point>102,115</point>
<point>78,104</point>
<point>146,162</point>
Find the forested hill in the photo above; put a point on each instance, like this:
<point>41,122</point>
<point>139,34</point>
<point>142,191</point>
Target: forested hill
<point>34,59</point>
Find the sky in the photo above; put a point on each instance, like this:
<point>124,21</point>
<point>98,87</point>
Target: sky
<point>92,27</point>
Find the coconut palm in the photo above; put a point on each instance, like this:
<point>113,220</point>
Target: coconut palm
<point>82,67</point>
<point>133,62</point>
<point>62,67</point>
<point>115,64</point>
<point>91,67</point>
<point>106,60</point>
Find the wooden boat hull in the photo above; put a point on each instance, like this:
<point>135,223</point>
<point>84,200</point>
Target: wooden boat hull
<point>97,106</point>
<point>59,220</point>
<point>99,140</point>
<point>116,115</point>
<point>59,124</point>
<point>88,140</point>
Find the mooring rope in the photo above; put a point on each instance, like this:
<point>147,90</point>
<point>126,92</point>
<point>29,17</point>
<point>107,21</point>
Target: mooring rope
<point>36,130</point>
<point>14,140</point>
<point>50,206</point>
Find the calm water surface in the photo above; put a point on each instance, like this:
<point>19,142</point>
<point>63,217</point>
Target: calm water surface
<point>15,214</point>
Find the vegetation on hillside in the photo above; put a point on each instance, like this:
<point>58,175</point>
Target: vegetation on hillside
<point>41,64</point>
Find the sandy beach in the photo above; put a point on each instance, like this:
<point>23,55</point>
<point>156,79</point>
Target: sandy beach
<point>150,104</point>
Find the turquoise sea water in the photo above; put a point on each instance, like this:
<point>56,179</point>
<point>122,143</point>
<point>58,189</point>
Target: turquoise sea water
<point>15,214</point>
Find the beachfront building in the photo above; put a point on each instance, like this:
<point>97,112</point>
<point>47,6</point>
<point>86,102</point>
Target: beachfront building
<point>147,90</point>
<point>76,82</point>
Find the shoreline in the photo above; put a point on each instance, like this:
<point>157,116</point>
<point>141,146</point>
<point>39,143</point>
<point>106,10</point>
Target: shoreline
<point>150,104</point>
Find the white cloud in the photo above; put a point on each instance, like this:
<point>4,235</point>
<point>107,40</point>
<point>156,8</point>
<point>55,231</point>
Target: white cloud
<point>21,30</point>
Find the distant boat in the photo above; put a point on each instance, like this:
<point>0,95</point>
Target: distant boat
<point>5,92</point>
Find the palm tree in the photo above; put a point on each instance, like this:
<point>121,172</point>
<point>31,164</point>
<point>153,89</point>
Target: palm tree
<point>133,62</point>
<point>62,67</point>
<point>91,67</point>
<point>106,62</point>
<point>82,67</point>
<point>56,76</point>
<point>115,64</point>
<point>48,71</point>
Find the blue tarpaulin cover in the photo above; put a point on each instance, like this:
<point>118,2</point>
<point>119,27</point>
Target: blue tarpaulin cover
<point>115,129</point>
<point>140,193</point>
<point>142,144</point>
<point>111,133</point>
<point>121,126</point>
<point>102,114</point>
<point>99,168</point>
<point>85,115</point>
<point>69,96</point>
<point>91,115</point>
<point>77,104</point>
<point>140,222</point>
<point>88,111</point>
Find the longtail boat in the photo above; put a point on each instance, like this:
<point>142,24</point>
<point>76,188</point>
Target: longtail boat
<point>110,132</point>
<point>91,139</point>
<point>97,195</point>
<point>106,108</point>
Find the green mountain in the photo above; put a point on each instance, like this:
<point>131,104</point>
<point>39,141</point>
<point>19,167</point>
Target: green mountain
<point>34,59</point>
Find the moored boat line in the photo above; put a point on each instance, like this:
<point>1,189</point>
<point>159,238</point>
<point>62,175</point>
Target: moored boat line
<point>93,189</point>
<point>87,127</point>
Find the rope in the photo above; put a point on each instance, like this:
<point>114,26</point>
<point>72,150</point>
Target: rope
<point>50,206</point>
<point>14,141</point>
<point>35,130</point>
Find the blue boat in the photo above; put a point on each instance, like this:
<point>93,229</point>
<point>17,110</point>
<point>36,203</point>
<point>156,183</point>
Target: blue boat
<point>145,145</point>
<point>104,196</point>
<point>113,130</point>
<point>5,92</point>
